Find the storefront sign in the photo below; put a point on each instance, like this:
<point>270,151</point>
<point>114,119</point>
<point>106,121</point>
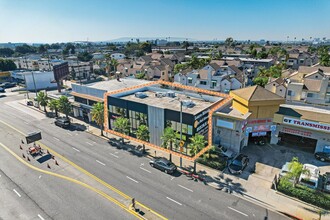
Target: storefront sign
<point>260,121</point>
<point>297,132</point>
<point>261,128</point>
<point>307,124</point>
<point>259,134</point>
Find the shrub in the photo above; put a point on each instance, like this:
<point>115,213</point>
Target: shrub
<point>305,194</point>
<point>217,164</point>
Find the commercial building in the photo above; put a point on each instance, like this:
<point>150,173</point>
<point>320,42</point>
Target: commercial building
<point>187,110</point>
<point>303,127</point>
<point>35,80</point>
<point>248,117</point>
<point>88,94</point>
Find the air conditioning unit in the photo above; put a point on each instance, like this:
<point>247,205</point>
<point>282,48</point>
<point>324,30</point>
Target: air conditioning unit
<point>141,95</point>
<point>171,94</point>
<point>188,103</point>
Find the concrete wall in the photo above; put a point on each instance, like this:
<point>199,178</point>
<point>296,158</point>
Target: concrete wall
<point>42,80</point>
<point>88,90</point>
<point>156,126</point>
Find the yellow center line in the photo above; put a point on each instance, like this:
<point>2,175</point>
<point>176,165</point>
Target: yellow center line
<point>88,173</point>
<point>74,181</point>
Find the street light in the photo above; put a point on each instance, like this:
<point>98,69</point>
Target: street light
<point>180,125</point>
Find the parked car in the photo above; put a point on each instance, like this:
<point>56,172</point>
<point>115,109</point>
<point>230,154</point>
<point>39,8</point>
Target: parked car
<point>226,152</point>
<point>311,178</point>
<point>2,89</point>
<point>30,103</point>
<point>285,171</point>
<point>322,156</point>
<point>8,85</point>
<point>237,165</point>
<point>164,165</point>
<point>326,185</point>
<point>62,122</point>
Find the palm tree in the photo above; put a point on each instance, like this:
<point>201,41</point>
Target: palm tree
<point>296,169</point>
<point>53,106</point>
<point>197,143</point>
<point>143,134</point>
<point>98,115</point>
<point>114,64</point>
<point>168,137</point>
<point>42,100</point>
<point>122,125</point>
<point>64,105</point>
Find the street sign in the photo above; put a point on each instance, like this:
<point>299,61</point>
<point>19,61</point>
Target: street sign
<point>181,143</point>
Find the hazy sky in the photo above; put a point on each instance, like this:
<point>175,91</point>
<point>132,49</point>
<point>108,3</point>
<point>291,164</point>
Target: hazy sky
<point>99,20</point>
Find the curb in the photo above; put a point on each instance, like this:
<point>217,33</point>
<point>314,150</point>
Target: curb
<point>34,108</point>
<point>297,200</point>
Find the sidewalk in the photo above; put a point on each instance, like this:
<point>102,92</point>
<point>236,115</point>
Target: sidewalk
<point>250,186</point>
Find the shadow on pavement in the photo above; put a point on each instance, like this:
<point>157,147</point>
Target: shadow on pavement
<point>132,149</point>
<point>77,127</point>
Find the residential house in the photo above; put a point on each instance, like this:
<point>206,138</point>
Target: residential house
<point>299,58</point>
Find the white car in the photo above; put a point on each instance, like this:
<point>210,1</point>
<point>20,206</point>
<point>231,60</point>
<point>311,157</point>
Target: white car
<point>311,178</point>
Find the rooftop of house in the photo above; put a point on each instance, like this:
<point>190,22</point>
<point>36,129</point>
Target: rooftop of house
<point>256,93</point>
<point>312,69</point>
<point>313,85</point>
<point>201,102</point>
<point>256,60</point>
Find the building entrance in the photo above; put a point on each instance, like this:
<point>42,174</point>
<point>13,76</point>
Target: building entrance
<point>303,143</point>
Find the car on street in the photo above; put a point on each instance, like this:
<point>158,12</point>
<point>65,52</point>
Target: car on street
<point>62,122</point>
<point>164,165</point>
<point>322,156</point>
<point>2,89</point>
<point>238,164</point>
<point>30,103</point>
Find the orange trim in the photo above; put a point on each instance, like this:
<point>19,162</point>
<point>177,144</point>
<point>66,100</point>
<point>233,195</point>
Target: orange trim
<point>222,102</point>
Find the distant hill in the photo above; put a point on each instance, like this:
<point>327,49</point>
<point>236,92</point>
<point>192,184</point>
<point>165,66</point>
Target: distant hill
<point>126,39</point>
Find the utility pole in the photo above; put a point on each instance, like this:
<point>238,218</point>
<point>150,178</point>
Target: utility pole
<point>180,130</point>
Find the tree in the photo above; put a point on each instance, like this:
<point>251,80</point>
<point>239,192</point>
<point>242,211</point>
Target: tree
<point>7,65</point>
<point>260,80</point>
<point>146,47</point>
<point>42,100</point>
<point>122,126</point>
<point>197,143</point>
<point>85,56</point>
<point>64,106</point>
<point>229,41</point>
<point>42,49</point>
<point>143,134</point>
<point>53,106</point>
<point>168,137</point>
<point>6,52</point>
<point>24,49</point>
<point>179,67</point>
<point>98,115</point>
<point>296,169</point>
<point>114,63</point>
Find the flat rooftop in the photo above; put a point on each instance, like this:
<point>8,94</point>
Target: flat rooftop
<point>172,103</point>
<point>229,111</point>
<point>114,84</point>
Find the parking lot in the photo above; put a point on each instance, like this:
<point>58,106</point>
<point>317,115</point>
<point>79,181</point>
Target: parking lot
<point>267,160</point>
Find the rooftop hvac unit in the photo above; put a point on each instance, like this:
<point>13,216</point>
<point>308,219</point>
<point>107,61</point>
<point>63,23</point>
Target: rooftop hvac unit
<point>160,94</point>
<point>141,95</point>
<point>171,94</point>
<point>188,103</point>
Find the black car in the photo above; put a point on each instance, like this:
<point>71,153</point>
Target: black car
<point>322,156</point>
<point>62,122</point>
<point>237,165</point>
<point>2,89</point>
<point>164,165</point>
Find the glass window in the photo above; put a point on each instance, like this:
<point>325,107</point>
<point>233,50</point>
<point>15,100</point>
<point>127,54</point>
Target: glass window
<point>189,80</point>
<point>190,129</point>
<point>310,95</point>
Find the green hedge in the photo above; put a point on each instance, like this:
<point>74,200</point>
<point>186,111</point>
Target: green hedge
<point>215,164</point>
<point>305,194</point>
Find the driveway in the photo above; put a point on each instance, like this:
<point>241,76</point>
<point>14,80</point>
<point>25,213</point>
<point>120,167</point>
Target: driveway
<point>267,160</point>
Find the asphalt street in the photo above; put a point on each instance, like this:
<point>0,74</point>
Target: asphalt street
<point>175,197</point>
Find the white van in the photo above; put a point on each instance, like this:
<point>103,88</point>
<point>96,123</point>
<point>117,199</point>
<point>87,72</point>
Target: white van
<point>310,179</point>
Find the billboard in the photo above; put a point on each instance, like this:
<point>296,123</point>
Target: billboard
<point>32,137</point>
<point>61,71</point>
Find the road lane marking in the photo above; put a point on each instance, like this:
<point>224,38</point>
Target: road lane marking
<point>114,155</point>
<point>75,149</point>
<point>19,195</point>
<point>123,206</point>
<point>56,138</point>
<point>172,178</point>
<point>26,122</point>
<point>145,169</point>
<point>142,164</point>
<point>83,171</point>
<point>69,133</point>
<point>235,210</point>
<point>100,162</point>
<point>89,143</point>
<point>173,200</point>
<point>132,179</point>
<point>185,188</point>
<point>40,217</point>
<point>40,177</point>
